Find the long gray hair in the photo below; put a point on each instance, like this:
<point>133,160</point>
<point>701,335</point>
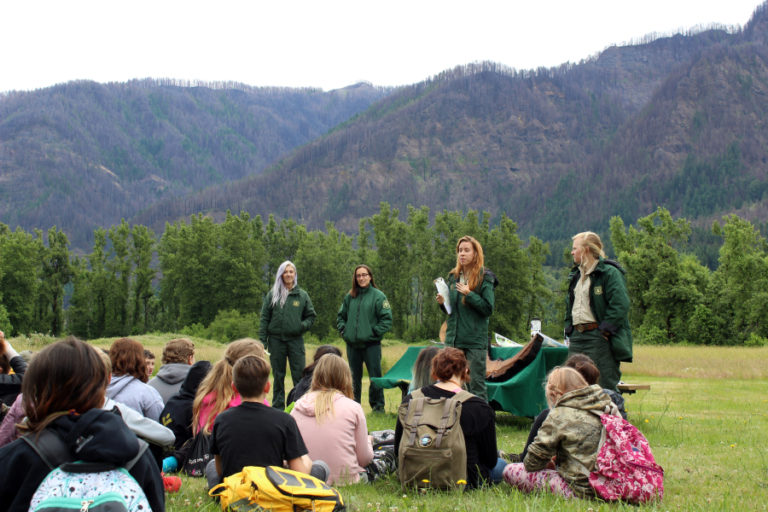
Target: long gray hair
<point>279,291</point>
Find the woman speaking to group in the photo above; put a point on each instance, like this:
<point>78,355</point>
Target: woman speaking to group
<point>471,298</point>
<point>364,317</point>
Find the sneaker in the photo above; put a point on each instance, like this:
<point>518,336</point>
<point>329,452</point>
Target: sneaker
<point>511,457</point>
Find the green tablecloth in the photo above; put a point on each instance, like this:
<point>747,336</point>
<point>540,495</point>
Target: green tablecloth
<point>522,395</point>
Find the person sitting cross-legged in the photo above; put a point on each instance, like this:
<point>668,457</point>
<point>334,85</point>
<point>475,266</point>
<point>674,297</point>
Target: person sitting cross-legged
<point>254,434</point>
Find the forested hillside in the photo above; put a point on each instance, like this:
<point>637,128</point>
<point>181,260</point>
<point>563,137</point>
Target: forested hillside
<point>677,121</point>
<point>83,155</point>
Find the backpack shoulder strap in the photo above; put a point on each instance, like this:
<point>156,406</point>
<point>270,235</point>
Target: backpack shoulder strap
<point>49,447</point>
<point>463,395</point>
<point>55,453</point>
<point>143,445</point>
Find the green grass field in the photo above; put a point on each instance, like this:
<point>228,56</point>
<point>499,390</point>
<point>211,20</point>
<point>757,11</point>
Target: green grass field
<point>706,417</point>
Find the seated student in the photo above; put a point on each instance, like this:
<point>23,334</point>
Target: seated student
<point>10,383</point>
<point>149,359</point>
<point>129,379</point>
<point>478,421</point>
<point>216,393</point>
<point>177,414</point>
<point>178,357</point>
<point>306,376</point>
<point>571,433</point>
<point>421,374</point>
<point>331,422</point>
<point>151,431</point>
<point>583,364</point>
<point>63,392</point>
<point>254,434</point>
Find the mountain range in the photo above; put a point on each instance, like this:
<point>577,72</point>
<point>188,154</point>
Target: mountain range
<point>675,121</point>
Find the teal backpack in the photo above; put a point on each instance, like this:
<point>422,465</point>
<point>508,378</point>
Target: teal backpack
<point>84,486</point>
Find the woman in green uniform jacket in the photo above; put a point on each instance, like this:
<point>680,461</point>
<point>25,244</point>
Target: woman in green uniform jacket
<point>287,313</point>
<point>363,318</point>
<point>471,295</point>
<point>597,309</point>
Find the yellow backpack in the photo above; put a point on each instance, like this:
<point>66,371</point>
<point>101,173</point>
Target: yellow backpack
<point>277,489</point>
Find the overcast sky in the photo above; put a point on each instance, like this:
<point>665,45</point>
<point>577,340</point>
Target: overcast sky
<point>322,43</point>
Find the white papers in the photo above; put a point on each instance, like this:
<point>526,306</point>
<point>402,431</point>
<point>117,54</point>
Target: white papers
<point>504,342</point>
<point>442,290</point>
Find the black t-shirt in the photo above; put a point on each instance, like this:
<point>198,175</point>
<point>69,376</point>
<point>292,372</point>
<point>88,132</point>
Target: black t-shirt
<point>478,423</point>
<point>254,434</point>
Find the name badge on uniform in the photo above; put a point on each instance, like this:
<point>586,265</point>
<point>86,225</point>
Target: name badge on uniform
<point>598,290</point>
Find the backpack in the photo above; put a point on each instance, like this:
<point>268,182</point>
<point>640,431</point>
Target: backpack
<point>432,452</point>
<point>276,489</point>
<point>625,468</point>
<point>74,485</point>
<point>195,454</point>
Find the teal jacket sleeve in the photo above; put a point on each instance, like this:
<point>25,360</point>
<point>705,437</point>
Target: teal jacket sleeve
<point>483,299</point>
<point>266,316</point>
<point>383,317</point>
<point>308,315</point>
<point>617,301</point>
<point>341,316</point>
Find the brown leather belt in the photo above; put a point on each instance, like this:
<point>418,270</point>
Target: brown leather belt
<point>586,327</point>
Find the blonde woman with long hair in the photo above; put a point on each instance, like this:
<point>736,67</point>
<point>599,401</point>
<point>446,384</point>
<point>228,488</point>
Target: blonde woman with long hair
<point>215,393</point>
<point>332,424</point>
<point>471,295</point>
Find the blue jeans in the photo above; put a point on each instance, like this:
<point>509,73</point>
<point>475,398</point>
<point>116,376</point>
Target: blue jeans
<point>497,473</point>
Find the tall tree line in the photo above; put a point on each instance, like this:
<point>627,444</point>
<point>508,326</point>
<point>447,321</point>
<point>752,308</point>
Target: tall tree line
<point>135,282</point>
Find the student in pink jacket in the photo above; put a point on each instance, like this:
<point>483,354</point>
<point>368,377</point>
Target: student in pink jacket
<point>332,424</point>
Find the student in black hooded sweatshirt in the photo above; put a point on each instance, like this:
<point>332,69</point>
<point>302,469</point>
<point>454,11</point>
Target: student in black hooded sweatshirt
<point>177,414</point>
<point>63,390</point>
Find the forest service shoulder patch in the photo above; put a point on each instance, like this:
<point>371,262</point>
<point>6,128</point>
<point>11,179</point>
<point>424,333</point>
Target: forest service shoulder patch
<point>385,304</point>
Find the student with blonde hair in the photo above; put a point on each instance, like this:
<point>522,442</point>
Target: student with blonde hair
<point>332,424</point>
<point>215,393</point>
<point>571,434</point>
<point>597,309</point>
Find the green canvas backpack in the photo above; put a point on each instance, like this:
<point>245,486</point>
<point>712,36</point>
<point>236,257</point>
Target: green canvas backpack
<point>432,452</point>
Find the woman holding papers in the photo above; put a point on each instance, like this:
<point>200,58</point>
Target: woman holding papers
<point>470,302</point>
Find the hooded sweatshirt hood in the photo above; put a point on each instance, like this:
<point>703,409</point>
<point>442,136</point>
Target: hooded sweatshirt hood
<point>590,398</point>
<point>118,384</point>
<point>98,436</point>
<point>173,373</point>
<point>193,379</point>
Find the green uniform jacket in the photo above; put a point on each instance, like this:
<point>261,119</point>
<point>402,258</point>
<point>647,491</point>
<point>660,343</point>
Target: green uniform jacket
<point>468,322</point>
<point>571,433</point>
<point>288,322</point>
<point>364,319</point>
<point>609,302</point>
